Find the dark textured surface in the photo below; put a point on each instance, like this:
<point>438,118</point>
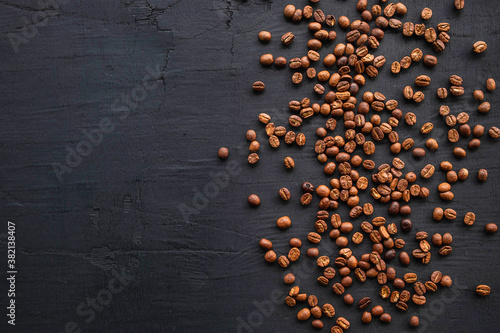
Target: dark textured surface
<point>120,207</point>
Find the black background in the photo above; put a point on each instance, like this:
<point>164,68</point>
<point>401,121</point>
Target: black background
<point>121,206</point>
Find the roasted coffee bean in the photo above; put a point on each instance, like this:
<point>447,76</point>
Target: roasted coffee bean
<point>430,286</point>
<point>293,254</point>
<point>445,250</point>
<point>479,47</point>
<point>343,323</point>
<point>482,175</point>
<point>400,305</point>
<point>430,60</point>
<point>253,158</point>
<point>283,261</point>
<point>223,153</point>
<point>491,228</point>
<point>446,281</point>
<point>385,318</point>
<point>459,152</point>
<point>450,214</point>
<point>304,314</point>
<point>290,301</point>
<point>426,13</point>
<point>483,290</point>
<point>297,78</point>
<point>314,237</point>
<point>253,200</point>
<point>442,93</point>
<point>364,302</point>
<point>457,90</point>
<point>284,222</point>
<point>427,171</point>
<point>430,35</point>
<point>404,258</point>
<point>328,310</point>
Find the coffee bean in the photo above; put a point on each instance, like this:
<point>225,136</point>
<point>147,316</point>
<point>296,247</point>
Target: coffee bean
<point>482,175</point>
<point>419,29</point>
<point>484,107</point>
<point>491,85</point>
<point>459,152</point>
<point>223,153</point>
<point>430,61</point>
<point>427,171</point>
<point>456,80</point>
<point>267,59</point>
<point>284,193</point>
<point>297,78</point>
<point>287,38</point>
<point>385,318</point>
<point>418,299</point>
<point>408,92</point>
<point>306,199</point>
<point>314,237</point>
<point>343,323</point>
<point>304,314</point>
<point>447,196</point>
<point>430,286</point>
<point>479,47</point>
<point>494,132</point>
<point>457,90</point>
<point>408,29</point>
<point>395,67</point>
<point>446,281</point>
<point>253,200</point>
<point>284,222</point>
<point>253,158</point>
<point>328,310</point>
<point>405,62</point>
<point>366,317</point>
<point>364,302</point>
<point>400,305</point>
<point>264,36</point>
<point>270,256</point>
<point>483,290</point>
<point>418,96</point>
<point>450,214</point>
<point>442,93</point>
<point>426,13</point>
<point>491,228</point>
<point>427,128</point>
<point>290,301</point>
<point>414,321</point>
<point>463,174</point>
<point>459,4</point>
<point>430,35</point>
<point>404,258</point>
<point>445,250</point>
<point>453,135</point>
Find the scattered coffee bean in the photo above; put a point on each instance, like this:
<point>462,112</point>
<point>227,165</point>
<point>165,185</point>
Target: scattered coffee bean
<point>479,47</point>
<point>491,228</point>
<point>482,175</point>
<point>491,85</point>
<point>253,200</point>
<point>223,153</point>
<point>483,290</point>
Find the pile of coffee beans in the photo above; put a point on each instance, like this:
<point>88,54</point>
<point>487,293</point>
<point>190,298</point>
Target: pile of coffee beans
<point>366,126</point>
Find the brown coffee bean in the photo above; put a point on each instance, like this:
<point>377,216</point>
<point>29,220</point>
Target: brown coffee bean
<point>418,96</point>
<point>270,256</point>
<point>482,175</point>
<point>385,318</point>
<point>430,35</point>
<point>253,158</point>
<point>483,290</point>
<point>494,132</point>
<point>253,200</point>
<point>284,222</point>
<point>304,314</point>
<point>484,107</point>
<point>430,61</point>
<point>427,128</point>
<point>223,153</point>
<point>427,171</point>
<point>450,214</point>
<point>284,193</point>
<point>445,250</point>
<point>297,78</point>
<point>479,47</point>
<point>491,85</point>
<point>459,152</point>
<point>364,302</point>
<point>287,38</point>
<point>442,93</point>
<point>491,228</point>
<point>453,135</point>
<point>457,90</point>
<point>426,13</point>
